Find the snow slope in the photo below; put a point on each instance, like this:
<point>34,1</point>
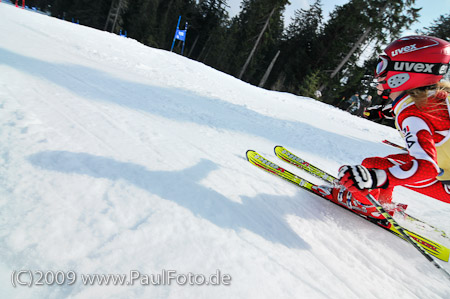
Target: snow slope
<point>117,157</point>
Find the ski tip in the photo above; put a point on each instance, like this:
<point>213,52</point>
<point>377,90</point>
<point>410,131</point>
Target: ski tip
<point>248,153</point>
<point>277,147</point>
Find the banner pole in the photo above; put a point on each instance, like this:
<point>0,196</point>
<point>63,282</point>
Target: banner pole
<point>184,40</point>
<point>175,36</point>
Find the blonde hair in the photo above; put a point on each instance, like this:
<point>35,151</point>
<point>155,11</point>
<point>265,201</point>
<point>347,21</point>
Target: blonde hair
<point>421,96</point>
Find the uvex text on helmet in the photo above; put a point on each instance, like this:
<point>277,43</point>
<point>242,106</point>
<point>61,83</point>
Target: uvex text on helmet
<point>413,61</point>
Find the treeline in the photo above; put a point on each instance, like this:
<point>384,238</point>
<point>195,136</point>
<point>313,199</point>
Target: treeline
<point>307,55</point>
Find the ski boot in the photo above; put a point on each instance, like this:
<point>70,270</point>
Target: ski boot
<point>358,204</point>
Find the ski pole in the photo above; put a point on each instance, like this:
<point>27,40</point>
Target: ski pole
<point>397,226</point>
<point>385,141</point>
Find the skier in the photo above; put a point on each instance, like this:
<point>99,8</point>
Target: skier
<point>410,74</point>
<point>354,103</point>
<point>382,113</point>
<point>365,103</point>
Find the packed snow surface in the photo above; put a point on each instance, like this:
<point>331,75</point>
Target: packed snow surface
<point>117,157</point>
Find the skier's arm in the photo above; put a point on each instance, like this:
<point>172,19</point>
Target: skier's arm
<point>423,164</point>
<point>418,167</point>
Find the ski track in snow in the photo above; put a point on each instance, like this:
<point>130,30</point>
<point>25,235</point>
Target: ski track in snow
<point>117,157</point>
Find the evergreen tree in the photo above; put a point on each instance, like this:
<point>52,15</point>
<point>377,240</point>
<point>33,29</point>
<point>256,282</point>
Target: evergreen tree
<point>298,46</point>
<point>140,21</point>
<point>207,28</point>
<point>310,85</point>
<point>153,22</point>
<point>376,21</point>
<point>440,28</point>
<point>245,29</point>
<point>309,49</point>
<point>87,12</point>
<point>114,19</point>
<point>42,5</point>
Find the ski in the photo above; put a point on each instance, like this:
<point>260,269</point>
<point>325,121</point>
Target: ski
<point>287,156</point>
<point>439,251</point>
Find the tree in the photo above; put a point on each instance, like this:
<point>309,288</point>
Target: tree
<point>299,45</point>
<point>311,84</point>
<point>245,30</point>
<point>256,35</point>
<point>361,22</point>
<point>42,5</point>
<point>153,22</point>
<point>439,28</point>
<point>258,40</point>
<point>140,21</point>
<point>115,14</point>
<point>87,12</point>
<point>206,27</point>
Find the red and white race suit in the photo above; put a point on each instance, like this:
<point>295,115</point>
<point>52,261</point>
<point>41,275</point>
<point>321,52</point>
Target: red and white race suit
<point>426,166</point>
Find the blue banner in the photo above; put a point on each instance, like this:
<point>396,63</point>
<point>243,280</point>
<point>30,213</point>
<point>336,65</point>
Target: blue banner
<point>180,34</point>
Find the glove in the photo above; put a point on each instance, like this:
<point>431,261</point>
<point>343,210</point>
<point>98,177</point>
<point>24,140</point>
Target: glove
<point>357,178</point>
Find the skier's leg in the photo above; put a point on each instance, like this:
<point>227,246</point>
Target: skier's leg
<point>437,190</point>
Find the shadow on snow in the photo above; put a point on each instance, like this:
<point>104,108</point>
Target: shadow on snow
<point>262,215</point>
